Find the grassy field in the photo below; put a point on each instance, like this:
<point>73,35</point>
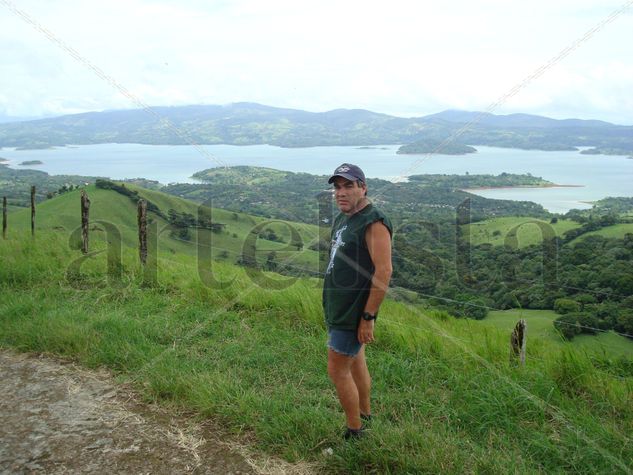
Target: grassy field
<point>616,231</point>
<point>446,398</point>
<point>62,214</point>
<point>495,231</point>
<point>541,328</point>
<point>539,322</point>
<point>12,208</point>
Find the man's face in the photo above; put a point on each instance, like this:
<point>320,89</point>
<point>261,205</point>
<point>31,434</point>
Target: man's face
<point>348,194</point>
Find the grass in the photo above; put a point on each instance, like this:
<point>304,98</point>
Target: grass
<point>609,344</point>
<point>495,231</point>
<point>541,328</point>
<point>540,322</point>
<point>616,231</point>
<point>446,399</point>
<point>13,208</point>
<point>62,215</point>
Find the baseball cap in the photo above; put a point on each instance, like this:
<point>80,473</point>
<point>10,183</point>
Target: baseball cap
<point>349,172</point>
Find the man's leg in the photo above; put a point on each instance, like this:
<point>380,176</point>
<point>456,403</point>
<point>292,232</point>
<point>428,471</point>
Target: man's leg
<point>339,367</point>
<point>362,379</point>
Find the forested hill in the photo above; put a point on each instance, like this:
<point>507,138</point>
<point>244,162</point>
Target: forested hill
<point>248,123</point>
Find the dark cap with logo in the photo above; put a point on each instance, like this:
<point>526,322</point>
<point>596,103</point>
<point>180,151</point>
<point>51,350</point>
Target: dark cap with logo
<point>349,172</point>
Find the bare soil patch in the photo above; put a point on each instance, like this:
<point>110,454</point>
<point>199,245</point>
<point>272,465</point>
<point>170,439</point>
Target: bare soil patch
<point>58,418</point>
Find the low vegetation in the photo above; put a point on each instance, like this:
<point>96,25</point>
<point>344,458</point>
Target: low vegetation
<point>446,398</point>
<point>175,227</point>
<point>527,231</point>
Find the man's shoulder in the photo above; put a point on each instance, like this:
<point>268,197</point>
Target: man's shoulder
<point>375,214</point>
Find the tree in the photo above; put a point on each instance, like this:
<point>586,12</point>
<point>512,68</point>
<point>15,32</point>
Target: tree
<point>564,306</point>
<point>584,299</point>
<point>625,322</point>
<point>270,261</point>
<point>568,326</point>
<point>476,309</point>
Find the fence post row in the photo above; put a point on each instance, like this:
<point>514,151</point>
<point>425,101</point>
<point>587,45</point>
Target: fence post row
<point>4,217</point>
<point>518,341</point>
<point>85,208</point>
<point>142,230</point>
<point>33,210</point>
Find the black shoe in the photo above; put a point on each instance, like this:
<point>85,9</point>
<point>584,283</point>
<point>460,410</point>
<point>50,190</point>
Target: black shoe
<point>365,417</point>
<point>354,433</point>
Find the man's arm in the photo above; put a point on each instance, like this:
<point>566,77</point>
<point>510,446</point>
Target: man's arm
<point>379,245</point>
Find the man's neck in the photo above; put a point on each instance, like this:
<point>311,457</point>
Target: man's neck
<point>361,205</point>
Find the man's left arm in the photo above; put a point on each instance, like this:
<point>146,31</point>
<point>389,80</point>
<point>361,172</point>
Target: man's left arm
<point>378,241</point>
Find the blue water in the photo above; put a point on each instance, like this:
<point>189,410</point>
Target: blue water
<point>599,175</point>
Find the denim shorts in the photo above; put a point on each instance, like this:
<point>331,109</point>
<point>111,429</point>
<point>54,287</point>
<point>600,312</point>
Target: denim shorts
<point>344,342</point>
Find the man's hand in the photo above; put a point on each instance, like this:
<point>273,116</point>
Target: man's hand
<point>365,332</point>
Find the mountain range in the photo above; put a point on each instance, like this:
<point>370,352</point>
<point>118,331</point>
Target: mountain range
<point>249,123</point>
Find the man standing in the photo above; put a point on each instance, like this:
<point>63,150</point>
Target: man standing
<point>355,284</point>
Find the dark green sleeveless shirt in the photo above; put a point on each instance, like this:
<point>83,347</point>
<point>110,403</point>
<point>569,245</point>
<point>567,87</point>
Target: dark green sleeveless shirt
<point>348,276</point>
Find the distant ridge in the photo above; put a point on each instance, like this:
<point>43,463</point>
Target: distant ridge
<point>245,123</point>
<point>514,120</point>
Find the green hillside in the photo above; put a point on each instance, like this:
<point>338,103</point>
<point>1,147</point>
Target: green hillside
<point>62,214</point>
<point>616,231</point>
<point>541,329</point>
<point>495,231</point>
<point>446,398</point>
<point>539,322</point>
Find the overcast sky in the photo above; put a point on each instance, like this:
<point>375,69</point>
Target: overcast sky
<point>405,58</point>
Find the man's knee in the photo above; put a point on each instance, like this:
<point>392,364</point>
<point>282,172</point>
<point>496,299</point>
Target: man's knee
<point>338,367</point>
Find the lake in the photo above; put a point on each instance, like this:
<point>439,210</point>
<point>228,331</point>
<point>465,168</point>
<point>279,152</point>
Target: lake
<point>599,175</point>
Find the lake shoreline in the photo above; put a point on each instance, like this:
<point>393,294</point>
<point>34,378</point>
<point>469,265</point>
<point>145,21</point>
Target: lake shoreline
<point>506,187</point>
<point>601,176</point>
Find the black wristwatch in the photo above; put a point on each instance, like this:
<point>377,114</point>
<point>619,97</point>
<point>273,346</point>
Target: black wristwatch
<point>368,316</point>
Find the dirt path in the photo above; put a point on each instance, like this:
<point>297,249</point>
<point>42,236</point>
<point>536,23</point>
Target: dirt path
<point>58,418</point>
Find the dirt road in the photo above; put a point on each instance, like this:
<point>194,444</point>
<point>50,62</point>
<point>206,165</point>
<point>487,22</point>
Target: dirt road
<point>58,418</point>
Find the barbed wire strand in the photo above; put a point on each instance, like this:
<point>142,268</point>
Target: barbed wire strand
<point>554,410</point>
<point>437,297</point>
<point>512,92</point>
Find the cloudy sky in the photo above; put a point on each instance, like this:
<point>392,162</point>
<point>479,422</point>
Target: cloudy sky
<point>400,57</point>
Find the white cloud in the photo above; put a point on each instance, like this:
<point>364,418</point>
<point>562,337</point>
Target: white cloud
<point>398,57</point>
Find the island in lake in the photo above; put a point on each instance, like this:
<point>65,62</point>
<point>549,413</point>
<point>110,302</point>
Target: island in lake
<point>605,151</point>
<point>470,183</point>
<point>31,162</point>
<point>35,146</point>
<point>436,146</point>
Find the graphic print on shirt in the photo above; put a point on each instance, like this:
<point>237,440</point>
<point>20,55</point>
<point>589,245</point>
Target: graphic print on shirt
<point>336,243</point>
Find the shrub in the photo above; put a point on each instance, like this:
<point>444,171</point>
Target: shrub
<point>568,326</point>
<point>564,306</point>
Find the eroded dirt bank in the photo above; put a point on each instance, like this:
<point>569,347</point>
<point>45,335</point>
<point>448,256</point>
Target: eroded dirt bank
<point>58,418</point>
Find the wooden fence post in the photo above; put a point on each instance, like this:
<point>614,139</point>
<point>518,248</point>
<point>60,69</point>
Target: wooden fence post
<point>85,208</point>
<point>4,217</point>
<point>33,210</point>
<point>142,230</point>
<point>518,341</point>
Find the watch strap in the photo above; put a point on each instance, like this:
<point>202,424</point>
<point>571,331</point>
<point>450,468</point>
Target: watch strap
<point>368,316</point>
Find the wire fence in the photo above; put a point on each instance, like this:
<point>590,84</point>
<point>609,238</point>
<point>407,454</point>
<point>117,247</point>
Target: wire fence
<point>444,299</point>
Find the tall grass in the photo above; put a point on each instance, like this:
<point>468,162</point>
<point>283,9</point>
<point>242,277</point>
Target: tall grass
<point>446,398</point>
